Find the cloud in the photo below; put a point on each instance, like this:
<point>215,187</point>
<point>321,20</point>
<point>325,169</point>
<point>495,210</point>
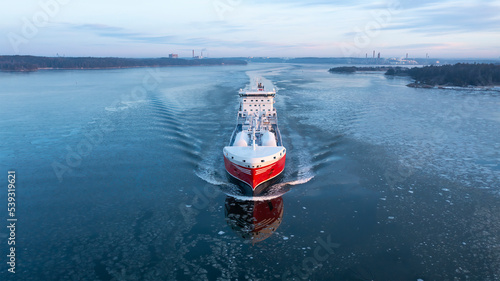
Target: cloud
<point>122,33</point>
<point>421,45</point>
<point>450,17</point>
<point>109,31</point>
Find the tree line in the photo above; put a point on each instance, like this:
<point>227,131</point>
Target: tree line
<point>460,74</point>
<point>33,63</point>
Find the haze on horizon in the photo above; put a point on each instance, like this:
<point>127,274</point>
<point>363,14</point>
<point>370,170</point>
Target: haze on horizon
<point>228,28</point>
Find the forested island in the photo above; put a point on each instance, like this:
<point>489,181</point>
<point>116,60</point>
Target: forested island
<point>33,63</point>
<point>459,75</point>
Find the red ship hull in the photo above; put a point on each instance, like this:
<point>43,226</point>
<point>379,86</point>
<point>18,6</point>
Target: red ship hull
<point>254,179</point>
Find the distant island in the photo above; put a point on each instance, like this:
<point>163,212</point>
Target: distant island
<point>352,69</point>
<point>457,75</point>
<point>385,62</point>
<point>34,63</point>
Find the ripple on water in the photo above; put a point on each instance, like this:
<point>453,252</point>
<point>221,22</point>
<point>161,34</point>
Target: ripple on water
<point>447,133</point>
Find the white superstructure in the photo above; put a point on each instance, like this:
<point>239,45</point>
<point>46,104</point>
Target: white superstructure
<point>256,140</point>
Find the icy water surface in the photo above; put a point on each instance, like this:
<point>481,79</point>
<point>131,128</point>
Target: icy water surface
<point>120,177</point>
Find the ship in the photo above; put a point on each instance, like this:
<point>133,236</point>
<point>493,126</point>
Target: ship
<point>255,157</point>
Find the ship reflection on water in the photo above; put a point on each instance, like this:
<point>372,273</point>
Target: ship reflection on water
<point>254,221</point>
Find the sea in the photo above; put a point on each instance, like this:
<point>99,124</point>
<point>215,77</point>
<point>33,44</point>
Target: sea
<point>119,175</point>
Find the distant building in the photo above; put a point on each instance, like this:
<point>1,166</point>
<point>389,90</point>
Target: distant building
<point>173,56</point>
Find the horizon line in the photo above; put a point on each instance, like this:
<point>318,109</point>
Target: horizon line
<point>251,57</point>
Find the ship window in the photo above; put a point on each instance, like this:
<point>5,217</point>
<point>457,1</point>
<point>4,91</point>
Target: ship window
<point>244,161</point>
<point>274,157</point>
<point>251,100</point>
<point>244,100</point>
<point>269,109</point>
<point>245,110</point>
<point>232,157</point>
<point>261,160</point>
<point>261,100</point>
<point>251,109</point>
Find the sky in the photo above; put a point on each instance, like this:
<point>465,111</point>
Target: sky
<point>251,28</point>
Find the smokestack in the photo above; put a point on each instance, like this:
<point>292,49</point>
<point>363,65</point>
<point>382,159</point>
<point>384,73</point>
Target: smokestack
<point>373,53</point>
<point>378,54</point>
<point>193,53</point>
<point>406,55</point>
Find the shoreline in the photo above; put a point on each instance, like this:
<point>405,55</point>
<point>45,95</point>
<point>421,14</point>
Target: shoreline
<point>34,63</point>
<point>476,77</point>
<point>495,88</point>
<point>112,67</point>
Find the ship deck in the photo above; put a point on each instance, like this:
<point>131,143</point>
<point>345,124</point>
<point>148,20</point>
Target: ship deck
<point>274,129</point>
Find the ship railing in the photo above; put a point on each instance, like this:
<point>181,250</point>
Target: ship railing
<point>260,94</point>
<point>278,135</point>
<point>233,136</point>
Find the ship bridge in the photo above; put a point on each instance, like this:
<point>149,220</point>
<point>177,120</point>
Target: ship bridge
<point>257,102</point>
